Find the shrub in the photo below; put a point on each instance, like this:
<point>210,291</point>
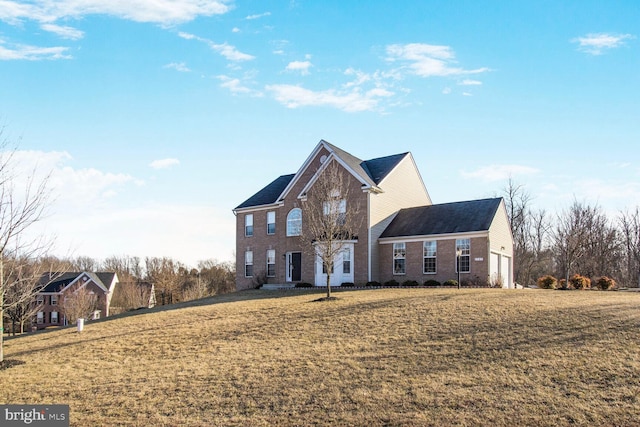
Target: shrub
<point>410,283</point>
<point>432,282</point>
<point>347,285</point>
<point>391,282</point>
<point>304,285</point>
<point>451,282</point>
<point>547,282</point>
<point>580,282</point>
<point>373,283</point>
<point>605,283</point>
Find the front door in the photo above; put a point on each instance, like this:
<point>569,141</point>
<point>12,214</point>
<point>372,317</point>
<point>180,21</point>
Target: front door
<point>294,266</point>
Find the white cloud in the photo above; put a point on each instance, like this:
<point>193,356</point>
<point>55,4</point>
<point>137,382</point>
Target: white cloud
<point>234,85</point>
<point>467,94</point>
<point>32,53</point>
<point>230,52</point>
<point>427,60</point>
<point>350,101</point>
<point>63,31</point>
<point>165,12</point>
<point>597,43</point>
<point>469,82</point>
<point>235,30</point>
<point>494,173</point>
<point>189,232</point>
<point>68,185</point>
<point>178,66</point>
<point>446,90</point>
<point>258,15</point>
<point>224,49</point>
<point>301,66</point>
<point>164,163</point>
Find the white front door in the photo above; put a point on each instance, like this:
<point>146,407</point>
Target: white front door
<point>342,268</point>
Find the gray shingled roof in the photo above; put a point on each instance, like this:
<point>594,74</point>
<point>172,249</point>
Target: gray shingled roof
<point>379,168</point>
<point>446,218</point>
<point>268,194</point>
<point>62,280</point>
<point>372,171</point>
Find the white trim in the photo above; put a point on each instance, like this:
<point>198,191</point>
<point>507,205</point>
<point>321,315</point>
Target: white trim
<point>259,208</point>
<point>412,239</point>
<point>88,279</point>
<point>325,165</point>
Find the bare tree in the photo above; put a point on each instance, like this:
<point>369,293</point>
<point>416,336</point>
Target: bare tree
<point>130,296</point>
<point>329,222</point>
<point>570,237</point>
<point>20,209</point>
<point>219,276</point>
<point>24,278</point>
<point>630,235</point>
<point>164,274</point>
<point>128,268</point>
<point>79,304</point>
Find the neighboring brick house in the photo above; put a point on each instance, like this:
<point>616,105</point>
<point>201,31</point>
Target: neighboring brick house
<point>269,223</point>
<point>57,286</point>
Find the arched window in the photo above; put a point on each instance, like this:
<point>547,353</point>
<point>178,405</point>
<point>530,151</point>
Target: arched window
<point>294,222</point>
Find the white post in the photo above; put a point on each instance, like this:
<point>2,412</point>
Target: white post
<point>80,324</point>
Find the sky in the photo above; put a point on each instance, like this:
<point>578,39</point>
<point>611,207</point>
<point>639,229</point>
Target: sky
<point>155,118</point>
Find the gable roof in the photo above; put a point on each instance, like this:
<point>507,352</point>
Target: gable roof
<point>269,194</point>
<point>61,281</point>
<point>369,172</point>
<point>379,168</point>
<point>446,218</point>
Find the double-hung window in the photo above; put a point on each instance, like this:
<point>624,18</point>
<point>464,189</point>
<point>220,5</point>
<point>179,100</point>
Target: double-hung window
<point>54,300</point>
<point>399,258</point>
<point>463,247</point>
<point>40,318</point>
<point>335,208</point>
<point>248,225</point>
<point>54,317</point>
<point>248,264</point>
<point>271,263</point>
<point>346,261</point>
<point>271,222</point>
<point>430,249</point>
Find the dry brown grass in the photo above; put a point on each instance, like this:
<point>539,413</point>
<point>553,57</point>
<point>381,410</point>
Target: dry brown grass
<point>396,357</point>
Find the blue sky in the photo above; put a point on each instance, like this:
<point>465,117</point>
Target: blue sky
<point>157,118</point>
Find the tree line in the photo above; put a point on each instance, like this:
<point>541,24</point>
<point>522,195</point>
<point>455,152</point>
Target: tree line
<point>173,281</point>
<point>582,239</point>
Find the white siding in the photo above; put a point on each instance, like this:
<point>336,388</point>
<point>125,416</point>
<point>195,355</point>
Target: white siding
<point>402,188</point>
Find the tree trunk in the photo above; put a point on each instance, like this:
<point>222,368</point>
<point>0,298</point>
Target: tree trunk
<point>328,284</point>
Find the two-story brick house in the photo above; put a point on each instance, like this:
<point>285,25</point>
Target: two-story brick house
<point>58,286</point>
<point>393,242</point>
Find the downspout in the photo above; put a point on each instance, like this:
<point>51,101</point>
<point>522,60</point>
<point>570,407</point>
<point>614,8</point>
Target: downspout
<point>369,242</point>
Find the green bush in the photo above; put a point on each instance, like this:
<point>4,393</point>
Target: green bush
<point>410,283</point>
<point>391,282</point>
<point>451,282</point>
<point>580,282</point>
<point>347,285</point>
<point>432,282</point>
<point>373,283</point>
<point>605,283</point>
<point>304,285</point>
<point>547,282</point>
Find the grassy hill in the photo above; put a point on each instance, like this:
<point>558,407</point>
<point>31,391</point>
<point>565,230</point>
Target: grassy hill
<point>397,357</point>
